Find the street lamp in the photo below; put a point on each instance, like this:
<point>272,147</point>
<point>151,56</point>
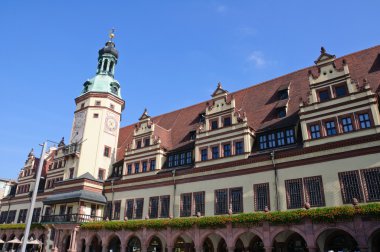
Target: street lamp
<point>34,196</point>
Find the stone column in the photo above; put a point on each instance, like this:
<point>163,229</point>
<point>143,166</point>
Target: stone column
<point>231,249</point>
<point>312,249</point>
<point>198,249</point>
<point>104,248</point>
<point>169,248</point>
<point>269,249</point>
<point>87,248</point>
<point>143,247</point>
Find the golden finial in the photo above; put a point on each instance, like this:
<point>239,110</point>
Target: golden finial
<point>112,33</point>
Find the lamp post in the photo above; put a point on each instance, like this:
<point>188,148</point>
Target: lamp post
<point>34,196</point>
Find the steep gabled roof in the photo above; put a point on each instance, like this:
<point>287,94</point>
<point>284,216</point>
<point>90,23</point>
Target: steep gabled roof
<point>259,101</point>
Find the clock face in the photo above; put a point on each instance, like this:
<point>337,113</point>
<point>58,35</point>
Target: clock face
<point>111,124</point>
<point>78,126</point>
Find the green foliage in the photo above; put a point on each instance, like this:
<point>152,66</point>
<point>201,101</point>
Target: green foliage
<point>326,214</point>
<point>21,226</point>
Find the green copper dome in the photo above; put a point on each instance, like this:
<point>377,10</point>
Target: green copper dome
<point>104,81</point>
<point>103,84</point>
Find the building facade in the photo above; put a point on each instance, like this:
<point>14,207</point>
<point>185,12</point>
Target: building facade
<point>308,139</point>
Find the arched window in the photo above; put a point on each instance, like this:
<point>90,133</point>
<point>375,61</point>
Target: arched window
<point>111,66</point>
<point>105,65</point>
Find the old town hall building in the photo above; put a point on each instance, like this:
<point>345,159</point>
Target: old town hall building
<point>309,139</point>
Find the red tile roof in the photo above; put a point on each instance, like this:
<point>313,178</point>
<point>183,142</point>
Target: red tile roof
<point>258,101</point>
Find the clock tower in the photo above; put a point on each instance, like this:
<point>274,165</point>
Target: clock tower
<point>97,117</point>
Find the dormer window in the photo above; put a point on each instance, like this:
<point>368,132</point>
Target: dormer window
<point>138,144</point>
<point>214,124</point>
<point>324,95</point>
<point>281,112</point>
<point>226,121</point>
<point>146,142</point>
<point>114,90</point>
<point>201,117</point>
<point>282,94</point>
<point>192,135</point>
<point>340,91</point>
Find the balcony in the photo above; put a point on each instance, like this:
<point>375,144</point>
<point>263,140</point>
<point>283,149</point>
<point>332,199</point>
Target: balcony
<point>71,149</point>
<point>70,218</point>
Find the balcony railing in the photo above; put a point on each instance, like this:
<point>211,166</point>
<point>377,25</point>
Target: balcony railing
<point>70,218</point>
<point>71,149</point>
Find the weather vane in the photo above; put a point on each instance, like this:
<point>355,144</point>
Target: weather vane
<point>112,33</point>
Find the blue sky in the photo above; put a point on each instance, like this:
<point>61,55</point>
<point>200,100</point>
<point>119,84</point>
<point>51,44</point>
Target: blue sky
<point>172,54</point>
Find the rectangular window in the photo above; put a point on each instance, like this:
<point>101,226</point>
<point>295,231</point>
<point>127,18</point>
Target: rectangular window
<point>340,91</point>
<point>71,173</point>
<point>347,124</point>
<point>11,216</point>
<point>215,152</point>
<point>116,213</point>
<point>314,191</point>
<point>199,202</point>
<point>129,205</point>
<point>214,125</point>
<point>227,121</point>
<point>330,128</point>
<point>22,215</point>
<point>129,169</point>
<point>176,157</point>
<point>192,135</point>
<point>324,95</point>
<point>182,159</point>
<point>239,148</point>
<point>36,215</point>
<point>315,131</point>
<point>106,151</point>
<point>152,164</point>
<point>189,157</point>
<point>294,193</point>
<point>236,199</point>
<point>280,138</point>
<point>98,103</point>
<point>282,94</point>
<point>144,166</point>
<point>165,205</point>
<point>221,201</point>
<point>371,179</point>
<point>350,186</point>
<point>364,121</point>
<point>263,142</point>
<point>261,196</point>
<point>96,115</point>
<point>204,155</point>
<point>146,142</point>
<point>186,199</point>
<point>3,217</point>
<point>101,174</point>
<point>137,167</point>
<point>227,150</point>
<point>170,161</point>
<point>138,144</point>
<point>153,207</point>
<point>139,208</point>
<point>112,106</point>
<point>271,141</point>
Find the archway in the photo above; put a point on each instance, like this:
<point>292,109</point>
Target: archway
<point>134,245</point>
<point>256,245</point>
<point>374,241</point>
<point>222,246</point>
<point>33,244</point>
<point>155,245</point>
<point>42,242</point>
<point>114,244</point>
<point>66,243</point>
<point>207,246</point>
<point>82,247</point>
<point>337,240</point>
<point>239,246</point>
<point>95,245</point>
<point>289,241</point>
<point>4,238</point>
<point>184,243</point>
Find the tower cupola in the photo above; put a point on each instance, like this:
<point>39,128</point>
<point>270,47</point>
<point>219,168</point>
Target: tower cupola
<point>104,81</point>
